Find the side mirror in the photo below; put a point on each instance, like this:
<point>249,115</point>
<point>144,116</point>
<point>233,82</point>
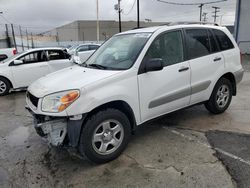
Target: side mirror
<point>76,59</point>
<point>68,56</point>
<point>18,62</point>
<point>154,64</point>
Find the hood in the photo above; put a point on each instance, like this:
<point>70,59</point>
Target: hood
<point>74,77</point>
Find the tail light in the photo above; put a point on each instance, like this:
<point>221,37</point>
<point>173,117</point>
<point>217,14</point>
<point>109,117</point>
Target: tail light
<point>14,52</point>
<point>241,57</point>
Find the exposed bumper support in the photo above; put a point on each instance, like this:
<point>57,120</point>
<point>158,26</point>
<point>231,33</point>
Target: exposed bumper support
<point>56,129</point>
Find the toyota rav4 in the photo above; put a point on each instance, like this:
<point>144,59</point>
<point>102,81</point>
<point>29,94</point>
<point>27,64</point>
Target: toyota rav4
<point>132,78</point>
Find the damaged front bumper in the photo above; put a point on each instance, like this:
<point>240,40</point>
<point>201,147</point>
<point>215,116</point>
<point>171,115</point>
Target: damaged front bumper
<point>54,130</point>
<point>58,130</point>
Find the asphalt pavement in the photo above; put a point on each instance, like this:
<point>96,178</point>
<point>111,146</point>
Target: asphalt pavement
<point>188,148</point>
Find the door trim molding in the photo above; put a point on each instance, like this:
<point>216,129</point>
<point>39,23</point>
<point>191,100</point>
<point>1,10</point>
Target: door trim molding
<point>170,97</point>
<point>179,94</point>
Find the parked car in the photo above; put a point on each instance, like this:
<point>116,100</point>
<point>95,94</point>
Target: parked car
<point>21,70</point>
<point>6,53</point>
<point>132,78</point>
<point>83,51</point>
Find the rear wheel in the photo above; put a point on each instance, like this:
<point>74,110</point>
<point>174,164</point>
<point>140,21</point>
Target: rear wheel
<point>4,86</point>
<point>105,135</point>
<point>221,97</point>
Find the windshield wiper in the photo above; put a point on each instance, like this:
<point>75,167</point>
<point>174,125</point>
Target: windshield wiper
<point>97,66</point>
<point>82,64</point>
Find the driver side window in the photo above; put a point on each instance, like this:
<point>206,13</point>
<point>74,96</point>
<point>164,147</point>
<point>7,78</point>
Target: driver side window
<point>168,47</point>
<point>34,57</point>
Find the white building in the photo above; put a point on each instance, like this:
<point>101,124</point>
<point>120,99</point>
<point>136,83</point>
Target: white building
<point>242,25</point>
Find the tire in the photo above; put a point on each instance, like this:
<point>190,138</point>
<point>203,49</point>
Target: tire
<point>109,143</point>
<point>221,97</point>
<point>4,86</point>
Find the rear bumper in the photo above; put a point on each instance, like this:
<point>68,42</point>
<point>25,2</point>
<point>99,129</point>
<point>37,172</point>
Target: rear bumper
<point>58,130</point>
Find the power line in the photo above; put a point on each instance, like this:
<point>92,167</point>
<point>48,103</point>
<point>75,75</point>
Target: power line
<point>174,3</point>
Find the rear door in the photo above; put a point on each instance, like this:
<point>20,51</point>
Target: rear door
<point>168,89</point>
<point>34,66</point>
<point>58,59</point>
<point>206,62</point>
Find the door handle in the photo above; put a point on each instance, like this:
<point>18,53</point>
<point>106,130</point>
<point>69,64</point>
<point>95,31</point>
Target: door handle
<point>42,65</point>
<point>217,59</point>
<point>182,69</point>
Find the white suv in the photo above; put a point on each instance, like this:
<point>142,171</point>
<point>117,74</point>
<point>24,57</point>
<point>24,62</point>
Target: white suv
<point>132,78</point>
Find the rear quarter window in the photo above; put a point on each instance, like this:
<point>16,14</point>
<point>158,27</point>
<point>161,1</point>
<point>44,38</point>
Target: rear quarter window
<point>223,40</point>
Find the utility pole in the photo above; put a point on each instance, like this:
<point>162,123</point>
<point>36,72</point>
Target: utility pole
<point>32,41</point>
<point>204,16</point>
<point>21,37</point>
<point>216,10</point>
<point>138,14</point>
<point>119,12</point>
<point>13,35</point>
<point>27,39</point>
<point>201,5</point>
<point>7,36</point>
<point>97,21</point>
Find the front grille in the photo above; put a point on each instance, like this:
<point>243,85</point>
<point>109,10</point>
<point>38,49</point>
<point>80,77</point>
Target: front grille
<point>34,100</point>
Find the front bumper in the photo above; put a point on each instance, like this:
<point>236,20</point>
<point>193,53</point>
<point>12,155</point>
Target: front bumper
<point>58,130</point>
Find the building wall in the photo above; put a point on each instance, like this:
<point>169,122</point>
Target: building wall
<point>86,30</point>
<point>67,32</point>
<point>242,25</point>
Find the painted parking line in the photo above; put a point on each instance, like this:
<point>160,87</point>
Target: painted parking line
<point>208,146</point>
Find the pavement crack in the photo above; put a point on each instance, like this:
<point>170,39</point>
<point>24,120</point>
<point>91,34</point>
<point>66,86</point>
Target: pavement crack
<point>149,167</point>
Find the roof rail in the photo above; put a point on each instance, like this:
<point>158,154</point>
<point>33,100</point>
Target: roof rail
<point>191,22</point>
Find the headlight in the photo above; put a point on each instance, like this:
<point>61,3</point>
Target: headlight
<point>58,102</point>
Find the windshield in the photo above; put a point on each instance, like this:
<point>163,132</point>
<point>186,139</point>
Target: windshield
<point>119,52</point>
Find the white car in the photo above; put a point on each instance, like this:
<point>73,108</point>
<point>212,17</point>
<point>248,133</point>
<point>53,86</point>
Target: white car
<point>84,51</point>
<point>6,53</point>
<point>132,78</point>
<point>21,70</point>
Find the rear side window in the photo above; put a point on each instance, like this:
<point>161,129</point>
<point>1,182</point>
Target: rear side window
<point>224,42</point>
<point>197,43</point>
<point>214,46</point>
<point>56,54</point>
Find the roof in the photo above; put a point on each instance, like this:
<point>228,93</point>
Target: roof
<point>45,48</point>
<point>167,27</point>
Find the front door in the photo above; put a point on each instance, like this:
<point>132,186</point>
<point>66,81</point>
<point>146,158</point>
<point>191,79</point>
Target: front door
<point>168,89</point>
<point>34,66</point>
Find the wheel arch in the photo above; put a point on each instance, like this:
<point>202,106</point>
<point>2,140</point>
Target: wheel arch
<point>230,76</point>
<point>11,85</point>
<point>119,105</point>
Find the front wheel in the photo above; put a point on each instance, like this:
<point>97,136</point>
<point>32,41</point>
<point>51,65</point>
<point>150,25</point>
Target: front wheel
<point>221,97</point>
<point>4,86</point>
<point>105,135</point>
